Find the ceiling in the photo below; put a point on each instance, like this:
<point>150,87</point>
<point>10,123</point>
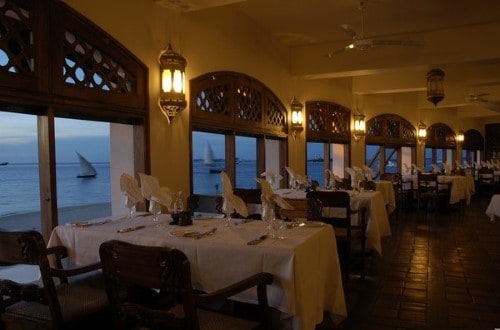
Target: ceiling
<point>462,37</point>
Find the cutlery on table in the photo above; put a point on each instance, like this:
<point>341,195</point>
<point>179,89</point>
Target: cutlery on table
<point>207,233</point>
<point>128,229</point>
<point>257,240</point>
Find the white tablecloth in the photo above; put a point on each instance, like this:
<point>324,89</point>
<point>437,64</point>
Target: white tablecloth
<point>378,225</point>
<point>305,264</point>
<point>493,209</point>
<point>387,190</point>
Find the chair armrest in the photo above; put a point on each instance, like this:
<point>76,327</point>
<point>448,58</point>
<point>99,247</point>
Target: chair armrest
<point>260,280</point>
<point>59,251</point>
<point>57,272</point>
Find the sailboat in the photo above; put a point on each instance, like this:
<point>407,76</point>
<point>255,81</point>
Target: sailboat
<point>87,170</point>
<point>208,159</point>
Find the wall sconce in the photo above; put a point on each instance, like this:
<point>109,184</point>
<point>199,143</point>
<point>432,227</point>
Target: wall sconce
<point>359,126</point>
<point>422,132</point>
<point>435,86</point>
<point>460,137</point>
<point>172,82</point>
<point>297,117</point>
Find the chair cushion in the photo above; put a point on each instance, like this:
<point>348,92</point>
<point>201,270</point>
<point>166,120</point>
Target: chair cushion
<point>75,301</point>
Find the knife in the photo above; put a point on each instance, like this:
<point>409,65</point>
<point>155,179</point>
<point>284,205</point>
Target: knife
<point>126,230</point>
<point>258,240</point>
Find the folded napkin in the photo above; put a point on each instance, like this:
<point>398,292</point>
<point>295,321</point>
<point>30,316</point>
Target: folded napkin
<point>447,168</point>
<point>270,200</point>
<point>295,177</point>
<point>368,172</point>
<point>231,201</point>
<point>151,190</point>
<point>271,177</point>
<point>130,187</point>
<point>435,169</point>
<point>407,168</point>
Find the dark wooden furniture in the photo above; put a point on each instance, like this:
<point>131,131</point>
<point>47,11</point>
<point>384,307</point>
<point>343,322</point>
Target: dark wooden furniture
<point>150,287</point>
<point>251,197</point>
<point>205,203</point>
<point>368,185</point>
<point>303,209</point>
<point>486,184</point>
<point>61,304</point>
<point>430,191</point>
<point>346,233</point>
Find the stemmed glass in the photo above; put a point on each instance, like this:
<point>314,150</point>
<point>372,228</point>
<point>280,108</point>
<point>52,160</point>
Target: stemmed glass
<point>277,225</point>
<point>268,216</point>
<point>155,209</point>
<point>130,203</point>
<point>226,209</point>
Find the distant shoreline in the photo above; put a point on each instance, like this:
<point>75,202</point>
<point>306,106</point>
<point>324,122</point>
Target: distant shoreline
<point>31,220</point>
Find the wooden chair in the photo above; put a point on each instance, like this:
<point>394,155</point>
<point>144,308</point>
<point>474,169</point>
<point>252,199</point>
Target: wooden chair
<point>486,184</point>
<point>205,203</point>
<point>368,185</point>
<point>253,201</point>
<point>303,209</point>
<point>431,191</point>
<point>344,184</point>
<point>403,191</point>
<point>59,304</point>
<point>150,288</point>
<point>337,212</point>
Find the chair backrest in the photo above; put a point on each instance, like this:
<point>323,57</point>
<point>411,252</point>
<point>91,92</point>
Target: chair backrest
<point>303,208</point>
<point>485,175</point>
<point>344,184</point>
<point>205,203</point>
<point>339,204</point>
<point>252,199</point>
<point>29,248</point>
<point>140,271</point>
<point>368,185</point>
<point>427,182</point>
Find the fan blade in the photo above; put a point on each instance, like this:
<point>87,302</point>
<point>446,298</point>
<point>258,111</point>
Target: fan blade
<point>383,42</point>
<point>349,30</point>
<point>336,52</point>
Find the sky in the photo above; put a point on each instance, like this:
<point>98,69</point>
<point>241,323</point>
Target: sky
<point>18,139</point>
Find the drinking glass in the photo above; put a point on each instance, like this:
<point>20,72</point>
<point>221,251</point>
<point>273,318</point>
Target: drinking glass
<point>155,209</point>
<point>268,216</point>
<point>226,209</point>
<point>130,203</point>
<point>277,225</point>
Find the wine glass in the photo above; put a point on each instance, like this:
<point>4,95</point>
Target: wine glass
<point>227,210</point>
<point>130,203</point>
<point>276,225</point>
<point>155,209</point>
<point>268,216</point>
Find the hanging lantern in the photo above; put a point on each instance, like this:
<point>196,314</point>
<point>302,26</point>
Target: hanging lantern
<point>172,82</point>
<point>435,86</point>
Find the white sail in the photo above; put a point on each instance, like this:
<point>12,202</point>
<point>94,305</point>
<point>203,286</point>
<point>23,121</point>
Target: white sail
<point>208,156</point>
<point>87,170</point>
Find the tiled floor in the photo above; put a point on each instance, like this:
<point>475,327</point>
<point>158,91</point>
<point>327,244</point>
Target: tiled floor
<point>438,271</point>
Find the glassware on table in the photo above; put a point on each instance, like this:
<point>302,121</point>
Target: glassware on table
<point>268,215</point>
<point>155,209</point>
<point>130,203</point>
<point>227,210</point>
<point>276,226</point>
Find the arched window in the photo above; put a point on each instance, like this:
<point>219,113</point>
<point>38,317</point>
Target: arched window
<point>328,137</point>
<point>238,125</point>
<point>472,147</point>
<point>54,63</point>
<point>390,143</point>
<point>440,146</point>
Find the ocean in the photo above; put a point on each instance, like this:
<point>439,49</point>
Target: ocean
<point>19,191</point>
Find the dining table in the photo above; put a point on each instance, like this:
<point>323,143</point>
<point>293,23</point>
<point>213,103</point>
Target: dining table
<point>386,187</point>
<point>377,220</point>
<point>493,210</point>
<point>304,261</point>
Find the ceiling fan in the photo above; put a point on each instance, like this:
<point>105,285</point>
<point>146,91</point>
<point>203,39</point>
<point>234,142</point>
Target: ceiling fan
<point>480,98</point>
<point>359,40</point>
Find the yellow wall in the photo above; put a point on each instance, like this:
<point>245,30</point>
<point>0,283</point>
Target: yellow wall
<point>230,41</point>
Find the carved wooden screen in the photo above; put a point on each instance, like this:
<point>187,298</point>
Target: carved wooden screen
<point>390,129</point>
<point>327,122</point>
<point>234,101</point>
<point>52,55</point>
<point>473,140</point>
<point>440,135</point>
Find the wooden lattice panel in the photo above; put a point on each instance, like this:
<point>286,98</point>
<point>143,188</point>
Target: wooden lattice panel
<point>249,104</point>
<point>89,67</point>
<point>391,129</point>
<point>473,140</point>
<point>327,121</point>
<point>276,115</point>
<point>440,136</point>
<point>213,99</point>
<point>16,38</point>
